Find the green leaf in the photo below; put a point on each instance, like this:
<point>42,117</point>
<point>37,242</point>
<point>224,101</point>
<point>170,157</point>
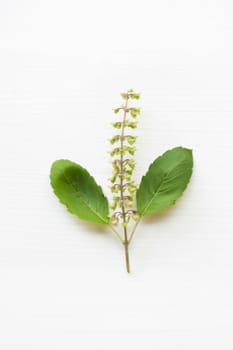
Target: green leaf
<point>165,181</point>
<point>75,188</point>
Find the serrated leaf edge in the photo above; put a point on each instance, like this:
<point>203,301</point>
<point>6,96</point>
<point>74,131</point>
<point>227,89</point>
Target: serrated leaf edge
<point>141,215</point>
<point>81,197</point>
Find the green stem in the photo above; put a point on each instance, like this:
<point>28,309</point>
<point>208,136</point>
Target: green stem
<point>133,231</point>
<point>116,233</point>
<point>126,243</point>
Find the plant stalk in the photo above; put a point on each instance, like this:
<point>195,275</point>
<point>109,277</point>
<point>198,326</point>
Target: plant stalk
<point>126,242</point>
<point>126,245</point>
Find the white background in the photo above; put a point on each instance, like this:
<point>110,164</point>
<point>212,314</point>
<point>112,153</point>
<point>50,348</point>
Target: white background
<point>62,67</point>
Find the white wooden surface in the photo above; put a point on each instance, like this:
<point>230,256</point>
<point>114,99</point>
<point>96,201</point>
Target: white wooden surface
<point>62,66</point>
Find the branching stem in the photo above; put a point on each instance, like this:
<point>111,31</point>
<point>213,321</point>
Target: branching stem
<point>133,231</point>
<point>117,234</point>
<point>125,188</point>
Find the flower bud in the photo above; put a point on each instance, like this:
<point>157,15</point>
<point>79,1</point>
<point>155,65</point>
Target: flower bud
<point>114,139</point>
<point>126,177</point>
<point>115,188</point>
<point>124,95</point>
<point>117,125</point>
<point>114,220</point>
<point>124,224</point>
<point>115,151</point>
<point>132,188</point>
<point>135,96</point>
<point>129,203</point>
<point>131,163</point>
<point>116,199</point>
<point>134,112</point>
<point>129,171</point>
<point>131,139</point>
<point>131,125</point>
<point>136,216</point>
<point>113,178</point>
<point>130,150</point>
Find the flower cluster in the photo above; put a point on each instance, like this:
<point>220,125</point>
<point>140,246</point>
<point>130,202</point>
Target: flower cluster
<point>123,187</point>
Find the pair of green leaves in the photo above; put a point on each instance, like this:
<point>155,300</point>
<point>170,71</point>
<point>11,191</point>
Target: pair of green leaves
<point>163,184</point>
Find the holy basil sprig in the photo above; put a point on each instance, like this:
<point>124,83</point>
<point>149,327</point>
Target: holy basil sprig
<point>164,182</point>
